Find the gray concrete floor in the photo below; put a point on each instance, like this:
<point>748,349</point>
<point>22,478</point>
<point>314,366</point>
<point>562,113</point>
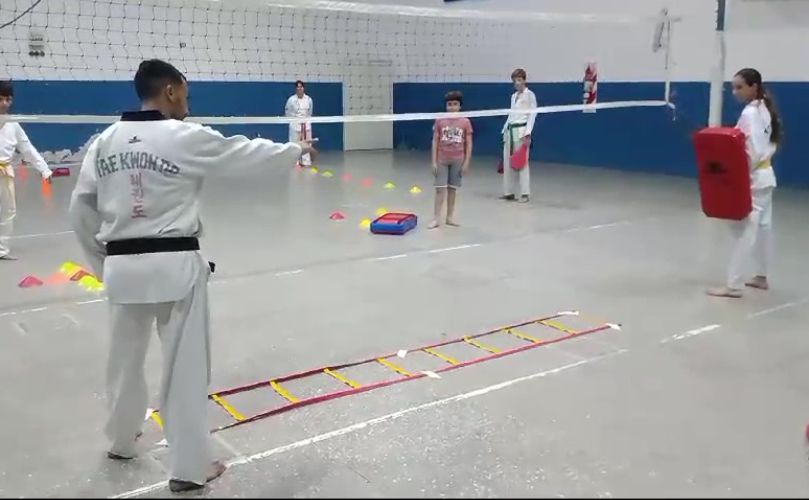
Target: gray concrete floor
<point>694,396</point>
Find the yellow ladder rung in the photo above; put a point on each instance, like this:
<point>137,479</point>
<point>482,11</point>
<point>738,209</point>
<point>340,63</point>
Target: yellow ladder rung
<point>559,326</point>
<point>283,392</point>
<point>228,408</point>
<point>480,345</point>
<point>523,336</point>
<point>156,417</point>
<point>437,354</point>
<point>342,378</point>
<point>396,368</point>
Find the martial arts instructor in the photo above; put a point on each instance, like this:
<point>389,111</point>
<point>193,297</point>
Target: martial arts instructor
<point>136,212</point>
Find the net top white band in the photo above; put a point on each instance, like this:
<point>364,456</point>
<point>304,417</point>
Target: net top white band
<point>271,120</point>
<point>491,15</point>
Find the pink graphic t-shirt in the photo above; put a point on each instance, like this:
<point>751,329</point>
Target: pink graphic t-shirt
<point>452,134</point>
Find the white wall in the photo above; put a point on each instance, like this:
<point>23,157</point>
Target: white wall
<point>770,35</point>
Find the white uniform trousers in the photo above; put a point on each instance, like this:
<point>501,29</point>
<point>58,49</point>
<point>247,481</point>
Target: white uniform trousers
<point>301,132</point>
<point>8,210</point>
<point>511,140</point>
<point>752,239</point>
<point>183,328</point>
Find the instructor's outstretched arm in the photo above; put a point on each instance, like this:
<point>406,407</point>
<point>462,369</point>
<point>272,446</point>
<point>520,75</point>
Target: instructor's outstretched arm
<point>208,145</point>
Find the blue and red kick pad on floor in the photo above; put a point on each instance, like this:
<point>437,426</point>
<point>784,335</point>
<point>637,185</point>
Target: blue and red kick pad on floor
<point>394,223</point>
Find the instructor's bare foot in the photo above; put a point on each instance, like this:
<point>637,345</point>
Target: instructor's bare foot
<point>178,485</point>
<point>759,282</point>
<point>434,224</point>
<point>725,292</point>
<point>452,223</point>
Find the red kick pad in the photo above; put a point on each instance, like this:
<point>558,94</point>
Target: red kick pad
<point>724,174</point>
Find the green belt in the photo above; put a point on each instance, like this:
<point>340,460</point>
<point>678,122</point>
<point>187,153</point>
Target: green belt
<point>509,128</point>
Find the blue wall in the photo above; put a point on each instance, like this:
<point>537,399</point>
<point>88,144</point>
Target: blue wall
<point>206,99</point>
<point>639,139</point>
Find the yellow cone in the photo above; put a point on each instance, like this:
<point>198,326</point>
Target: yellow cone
<point>314,170</point>
<point>381,211</point>
<point>365,223</point>
<point>327,173</point>
<point>390,185</point>
<point>91,284</point>
<point>69,268</point>
<point>415,190</point>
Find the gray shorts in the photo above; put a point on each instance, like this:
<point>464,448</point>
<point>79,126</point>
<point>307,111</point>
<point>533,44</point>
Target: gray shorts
<point>450,174</point>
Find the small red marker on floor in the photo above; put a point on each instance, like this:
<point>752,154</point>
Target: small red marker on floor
<point>337,216</point>
<point>30,281</point>
<point>367,182</point>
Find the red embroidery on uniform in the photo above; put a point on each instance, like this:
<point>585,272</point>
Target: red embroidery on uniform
<point>136,180</point>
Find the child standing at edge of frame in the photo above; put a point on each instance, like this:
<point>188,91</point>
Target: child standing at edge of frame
<point>752,236</point>
<point>452,151</point>
<point>13,138</point>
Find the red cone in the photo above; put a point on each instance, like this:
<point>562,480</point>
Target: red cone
<point>337,216</point>
<point>30,281</point>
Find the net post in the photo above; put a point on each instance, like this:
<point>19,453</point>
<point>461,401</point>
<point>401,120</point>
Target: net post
<point>718,77</point>
<point>668,34</point>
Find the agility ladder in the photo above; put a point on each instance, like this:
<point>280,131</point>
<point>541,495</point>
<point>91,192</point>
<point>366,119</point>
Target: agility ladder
<point>391,362</point>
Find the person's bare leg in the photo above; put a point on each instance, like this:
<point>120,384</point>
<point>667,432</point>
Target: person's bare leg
<point>440,196</point>
<point>451,193</point>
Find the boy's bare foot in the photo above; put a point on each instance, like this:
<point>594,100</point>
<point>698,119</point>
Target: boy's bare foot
<point>434,224</point>
<point>725,292</point>
<point>759,282</point>
<point>178,485</point>
<point>452,223</point>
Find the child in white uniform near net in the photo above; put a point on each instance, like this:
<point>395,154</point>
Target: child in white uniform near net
<point>300,105</point>
<point>753,236</point>
<point>516,132</point>
<point>13,138</point>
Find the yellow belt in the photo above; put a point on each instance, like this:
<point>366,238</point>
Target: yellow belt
<point>5,169</point>
<point>764,164</point>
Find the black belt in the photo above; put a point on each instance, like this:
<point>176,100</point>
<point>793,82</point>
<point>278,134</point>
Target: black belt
<point>152,245</point>
<point>140,246</point>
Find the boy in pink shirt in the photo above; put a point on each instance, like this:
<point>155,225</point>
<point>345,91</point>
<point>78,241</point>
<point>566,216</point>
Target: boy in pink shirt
<point>452,151</point>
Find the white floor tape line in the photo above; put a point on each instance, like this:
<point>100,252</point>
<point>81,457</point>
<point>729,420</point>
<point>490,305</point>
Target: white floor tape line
<point>383,419</point>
